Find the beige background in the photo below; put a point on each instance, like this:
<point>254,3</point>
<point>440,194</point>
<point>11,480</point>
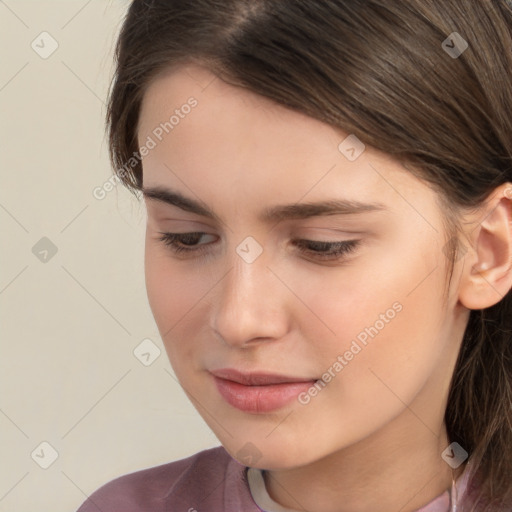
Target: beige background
<point>71,321</point>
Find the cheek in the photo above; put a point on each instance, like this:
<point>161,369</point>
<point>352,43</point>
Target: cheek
<point>172,295</point>
<point>344,302</point>
<point>387,318</point>
<point>396,366</point>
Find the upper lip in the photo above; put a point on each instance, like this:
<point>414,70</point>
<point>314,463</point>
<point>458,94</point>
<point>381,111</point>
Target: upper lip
<point>255,378</point>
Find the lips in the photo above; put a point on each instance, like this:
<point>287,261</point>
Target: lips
<point>255,378</point>
<point>258,392</point>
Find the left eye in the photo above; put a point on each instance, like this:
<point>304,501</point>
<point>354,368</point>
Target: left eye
<point>189,243</point>
<point>326,250</point>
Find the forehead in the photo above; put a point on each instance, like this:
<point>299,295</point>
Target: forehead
<point>227,109</point>
<point>236,142</point>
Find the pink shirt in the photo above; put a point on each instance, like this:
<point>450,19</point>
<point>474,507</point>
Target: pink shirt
<point>209,481</point>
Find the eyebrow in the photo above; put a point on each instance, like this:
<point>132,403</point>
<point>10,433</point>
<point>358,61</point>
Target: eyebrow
<point>273,214</point>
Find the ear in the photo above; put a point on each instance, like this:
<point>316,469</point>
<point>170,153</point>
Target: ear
<point>487,266</point>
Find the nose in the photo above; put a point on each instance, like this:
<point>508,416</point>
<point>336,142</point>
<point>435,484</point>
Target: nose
<point>250,305</point>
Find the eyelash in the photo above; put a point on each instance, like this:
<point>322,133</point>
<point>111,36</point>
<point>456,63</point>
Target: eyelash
<point>335,250</point>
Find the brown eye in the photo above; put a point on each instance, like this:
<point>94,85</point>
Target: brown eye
<point>183,242</point>
<point>326,250</point>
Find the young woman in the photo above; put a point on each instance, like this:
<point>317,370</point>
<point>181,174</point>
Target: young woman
<point>328,188</point>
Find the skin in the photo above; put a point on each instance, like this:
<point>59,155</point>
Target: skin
<point>372,438</point>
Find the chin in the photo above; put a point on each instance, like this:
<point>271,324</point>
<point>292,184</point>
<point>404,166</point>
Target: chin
<point>267,454</point>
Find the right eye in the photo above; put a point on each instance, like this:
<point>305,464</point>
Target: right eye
<point>184,242</point>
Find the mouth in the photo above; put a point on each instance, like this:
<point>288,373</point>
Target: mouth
<point>258,392</point>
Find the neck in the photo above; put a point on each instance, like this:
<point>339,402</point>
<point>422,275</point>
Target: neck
<point>402,473</point>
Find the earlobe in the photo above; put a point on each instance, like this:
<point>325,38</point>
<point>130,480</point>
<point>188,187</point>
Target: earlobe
<point>487,272</point>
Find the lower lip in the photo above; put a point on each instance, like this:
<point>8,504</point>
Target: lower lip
<point>260,399</point>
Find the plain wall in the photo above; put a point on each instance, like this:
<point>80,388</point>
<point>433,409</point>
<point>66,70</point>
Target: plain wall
<point>70,321</point>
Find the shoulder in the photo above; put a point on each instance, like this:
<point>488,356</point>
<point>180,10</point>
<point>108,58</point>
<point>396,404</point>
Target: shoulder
<point>206,479</point>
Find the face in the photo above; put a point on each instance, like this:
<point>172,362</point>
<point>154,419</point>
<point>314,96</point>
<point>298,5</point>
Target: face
<point>298,329</point>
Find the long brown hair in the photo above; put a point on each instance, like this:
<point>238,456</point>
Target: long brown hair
<point>379,69</point>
